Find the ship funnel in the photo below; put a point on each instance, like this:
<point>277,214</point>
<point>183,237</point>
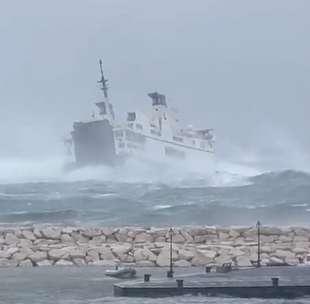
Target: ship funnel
<point>158,99</point>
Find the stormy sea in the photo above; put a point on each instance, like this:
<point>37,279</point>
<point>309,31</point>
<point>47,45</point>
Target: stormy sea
<point>152,196</point>
<point>140,196</point>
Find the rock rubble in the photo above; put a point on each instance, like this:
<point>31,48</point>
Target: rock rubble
<point>192,246</point>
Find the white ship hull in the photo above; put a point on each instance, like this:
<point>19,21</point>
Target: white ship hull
<point>158,150</point>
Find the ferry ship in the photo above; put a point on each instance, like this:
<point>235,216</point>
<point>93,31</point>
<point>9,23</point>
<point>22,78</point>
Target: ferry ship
<point>157,136</point>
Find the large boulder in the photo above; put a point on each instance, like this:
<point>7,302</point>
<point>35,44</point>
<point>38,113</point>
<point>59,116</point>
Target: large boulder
<point>143,238</point>
<point>188,238</point>
<point>122,235</point>
<point>57,254</point>
<point>77,253</point>
<point>282,254</point>
<point>236,252</point>
<point>107,231</point>
<point>27,234</point>
<point>223,236</point>
<point>78,237</point>
<point>66,238</point>
<point>25,243</point>
<point>25,263</point>
<point>38,256</point>
<point>79,262</point>
<point>44,263</point>
<point>163,258</point>
<point>37,233</point>
<point>21,255</point>
<point>97,240</point>
<point>12,250</point>
<point>275,260</point>
<point>186,255</point>
<point>4,254</point>
<point>182,263</point>
<point>106,254</point>
<point>200,259</point>
<point>64,263</point>
<point>91,232</point>
<point>51,233</point>
<point>299,231</point>
<point>121,249</point>
<point>141,254</point>
<point>301,239</point>
<point>196,231</point>
<point>234,234</point>
<point>145,263</point>
<point>300,250</point>
<point>271,231</point>
<point>11,238</point>
<point>223,258</point>
<point>242,261</point>
<point>92,255</point>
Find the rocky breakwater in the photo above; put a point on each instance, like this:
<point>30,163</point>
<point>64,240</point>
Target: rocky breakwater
<point>192,246</point>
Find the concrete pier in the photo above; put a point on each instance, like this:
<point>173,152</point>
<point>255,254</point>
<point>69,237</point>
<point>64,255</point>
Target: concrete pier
<point>265,282</point>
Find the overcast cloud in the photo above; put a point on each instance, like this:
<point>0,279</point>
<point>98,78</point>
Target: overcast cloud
<point>242,67</point>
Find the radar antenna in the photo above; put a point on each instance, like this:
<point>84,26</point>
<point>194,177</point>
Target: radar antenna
<point>103,81</point>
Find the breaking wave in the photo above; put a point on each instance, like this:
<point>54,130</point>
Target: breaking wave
<point>186,174</point>
<point>275,198</point>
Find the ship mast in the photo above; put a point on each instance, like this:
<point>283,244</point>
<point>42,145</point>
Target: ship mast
<point>103,82</point>
<point>105,107</point>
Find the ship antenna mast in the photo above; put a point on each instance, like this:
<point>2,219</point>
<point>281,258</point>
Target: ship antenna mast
<point>103,81</point>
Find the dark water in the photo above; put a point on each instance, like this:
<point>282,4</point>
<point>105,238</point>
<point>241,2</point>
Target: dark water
<point>275,198</point>
<point>88,285</point>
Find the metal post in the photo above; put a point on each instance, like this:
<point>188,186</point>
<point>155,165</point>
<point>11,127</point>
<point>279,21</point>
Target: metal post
<point>147,277</point>
<point>180,283</point>
<point>275,282</point>
<point>258,225</point>
<point>170,272</point>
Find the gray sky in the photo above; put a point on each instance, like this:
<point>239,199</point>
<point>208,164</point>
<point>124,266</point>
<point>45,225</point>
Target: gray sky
<point>242,67</point>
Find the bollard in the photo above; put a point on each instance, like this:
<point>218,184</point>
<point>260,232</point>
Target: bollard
<point>180,283</point>
<point>275,282</point>
<point>169,274</point>
<point>208,268</point>
<point>147,277</point>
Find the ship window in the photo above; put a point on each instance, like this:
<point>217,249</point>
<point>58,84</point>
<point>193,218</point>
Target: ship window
<point>121,145</point>
<point>131,116</point>
<point>139,126</point>
<point>202,145</point>
<point>135,137</point>
<point>119,133</point>
<point>179,139</point>
<point>130,125</point>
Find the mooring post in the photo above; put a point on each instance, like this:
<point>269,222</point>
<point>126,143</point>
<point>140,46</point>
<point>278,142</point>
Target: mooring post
<point>275,282</point>
<point>170,272</point>
<point>180,283</point>
<point>258,225</point>
<point>208,268</point>
<point>147,277</point>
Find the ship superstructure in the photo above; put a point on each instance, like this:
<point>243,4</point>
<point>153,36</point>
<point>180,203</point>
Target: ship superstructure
<point>158,135</point>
